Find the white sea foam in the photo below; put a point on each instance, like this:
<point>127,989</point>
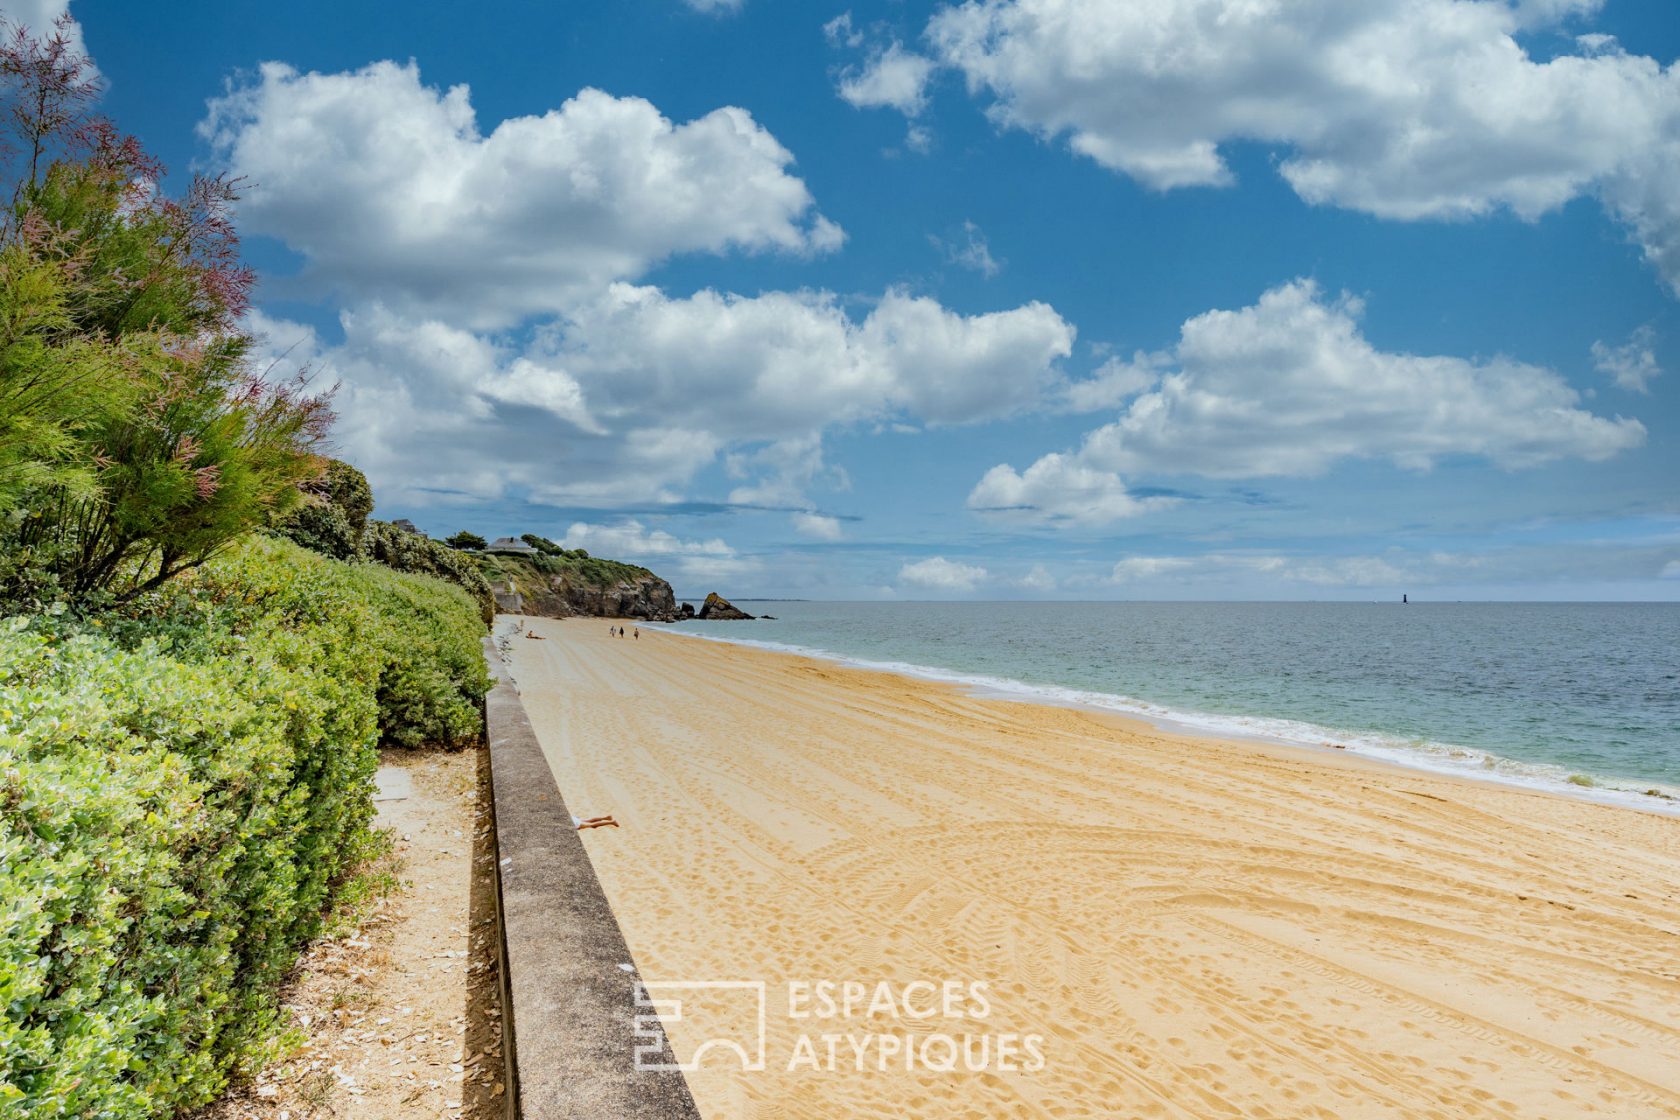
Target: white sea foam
<point>1416,754</point>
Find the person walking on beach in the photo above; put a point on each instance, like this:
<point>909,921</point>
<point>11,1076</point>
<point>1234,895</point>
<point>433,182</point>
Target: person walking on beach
<point>636,633</point>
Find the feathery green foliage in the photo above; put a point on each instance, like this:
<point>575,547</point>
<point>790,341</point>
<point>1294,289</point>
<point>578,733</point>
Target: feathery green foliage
<point>188,721</point>
<point>49,380</point>
<point>136,438</point>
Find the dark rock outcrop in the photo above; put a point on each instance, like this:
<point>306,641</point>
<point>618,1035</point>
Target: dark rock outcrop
<point>717,608</point>
<point>685,612</point>
<point>649,598</point>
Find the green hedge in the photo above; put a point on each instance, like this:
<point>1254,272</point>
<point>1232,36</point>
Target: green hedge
<point>400,550</point>
<point>427,634</point>
<point>433,680</point>
<point>179,787</point>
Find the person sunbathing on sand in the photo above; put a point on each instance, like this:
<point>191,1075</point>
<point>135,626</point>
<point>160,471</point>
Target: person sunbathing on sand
<point>596,822</point>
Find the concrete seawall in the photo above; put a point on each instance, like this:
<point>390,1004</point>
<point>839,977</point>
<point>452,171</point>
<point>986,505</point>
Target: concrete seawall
<point>570,1019</point>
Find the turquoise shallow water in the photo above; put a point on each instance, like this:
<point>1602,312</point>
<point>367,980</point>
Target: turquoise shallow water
<point>1525,692</point>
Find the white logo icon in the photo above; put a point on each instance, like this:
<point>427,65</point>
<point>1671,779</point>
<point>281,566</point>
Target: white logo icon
<point>733,1011</point>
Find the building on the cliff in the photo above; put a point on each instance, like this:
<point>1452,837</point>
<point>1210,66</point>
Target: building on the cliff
<point>511,544</point>
<point>407,526</point>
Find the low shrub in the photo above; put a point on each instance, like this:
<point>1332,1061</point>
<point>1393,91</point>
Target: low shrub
<point>170,831</point>
<point>183,784</point>
<point>385,543</point>
<point>333,517</point>
<point>433,678</point>
<point>427,635</point>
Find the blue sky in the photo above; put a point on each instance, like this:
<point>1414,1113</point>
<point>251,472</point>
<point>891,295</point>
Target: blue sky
<point>1023,298</point>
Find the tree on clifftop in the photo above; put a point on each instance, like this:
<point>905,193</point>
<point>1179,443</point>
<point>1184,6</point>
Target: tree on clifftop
<point>465,540</point>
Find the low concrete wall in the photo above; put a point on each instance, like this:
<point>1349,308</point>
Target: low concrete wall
<point>569,1015</point>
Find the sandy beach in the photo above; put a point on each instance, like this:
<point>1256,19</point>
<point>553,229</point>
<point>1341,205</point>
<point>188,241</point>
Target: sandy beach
<point>1187,928</point>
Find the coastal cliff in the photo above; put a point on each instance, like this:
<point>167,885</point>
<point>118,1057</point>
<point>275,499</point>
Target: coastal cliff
<point>566,586</point>
<point>533,575</point>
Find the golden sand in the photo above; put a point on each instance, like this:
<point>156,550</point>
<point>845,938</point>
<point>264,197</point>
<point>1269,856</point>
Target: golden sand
<point>1193,928</point>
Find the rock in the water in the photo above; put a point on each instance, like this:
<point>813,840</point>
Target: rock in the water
<point>686,611</point>
<point>716,607</point>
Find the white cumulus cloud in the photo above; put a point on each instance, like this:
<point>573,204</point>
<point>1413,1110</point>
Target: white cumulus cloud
<point>1117,380</point>
<point>390,191</point>
<point>891,78</point>
<point>1289,387</point>
<point>939,574</point>
<point>1632,365</point>
<point>635,392</point>
<point>818,526</point>
<point>1405,109</point>
<point>783,364</point>
<point>1059,490</point>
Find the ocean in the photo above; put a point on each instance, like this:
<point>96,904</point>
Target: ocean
<point>1577,697</point>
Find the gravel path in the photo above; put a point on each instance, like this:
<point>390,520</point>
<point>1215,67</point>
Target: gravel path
<point>400,1018</point>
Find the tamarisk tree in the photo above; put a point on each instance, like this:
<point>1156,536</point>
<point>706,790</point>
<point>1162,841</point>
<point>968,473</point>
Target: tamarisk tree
<point>137,438</point>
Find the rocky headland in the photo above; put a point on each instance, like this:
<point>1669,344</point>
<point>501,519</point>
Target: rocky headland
<point>566,586</point>
<point>533,575</point>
